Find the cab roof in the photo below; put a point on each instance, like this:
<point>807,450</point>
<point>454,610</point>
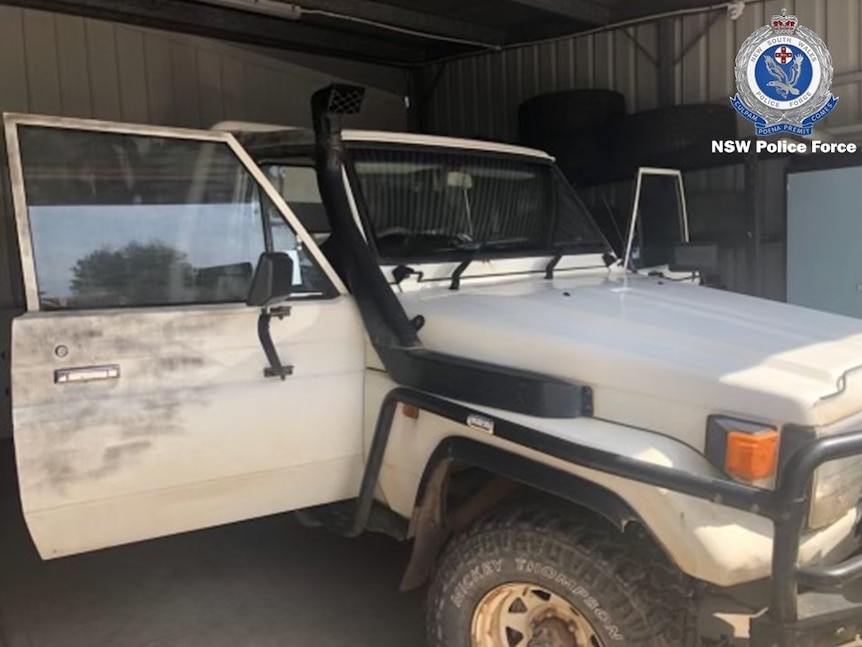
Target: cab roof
<point>262,136</point>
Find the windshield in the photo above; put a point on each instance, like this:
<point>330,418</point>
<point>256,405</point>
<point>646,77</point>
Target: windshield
<point>430,204</point>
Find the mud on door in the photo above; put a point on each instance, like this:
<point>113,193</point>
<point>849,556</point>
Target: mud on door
<point>140,404</point>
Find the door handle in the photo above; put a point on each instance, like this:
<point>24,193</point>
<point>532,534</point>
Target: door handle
<point>86,374</point>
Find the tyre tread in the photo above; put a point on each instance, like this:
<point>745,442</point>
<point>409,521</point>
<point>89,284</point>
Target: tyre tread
<point>652,599</point>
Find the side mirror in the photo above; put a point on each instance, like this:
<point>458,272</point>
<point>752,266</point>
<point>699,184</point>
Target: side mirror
<point>694,257</point>
<point>273,279</point>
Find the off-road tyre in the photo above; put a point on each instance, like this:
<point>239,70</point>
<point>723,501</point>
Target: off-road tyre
<point>680,136</point>
<point>588,160</point>
<point>623,585</point>
<point>547,116</point>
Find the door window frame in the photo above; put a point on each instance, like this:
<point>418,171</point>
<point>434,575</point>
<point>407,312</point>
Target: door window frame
<point>11,123</point>
<point>633,223</point>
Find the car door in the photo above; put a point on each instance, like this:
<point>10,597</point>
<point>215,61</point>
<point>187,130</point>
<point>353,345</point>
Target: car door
<point>140,403</point>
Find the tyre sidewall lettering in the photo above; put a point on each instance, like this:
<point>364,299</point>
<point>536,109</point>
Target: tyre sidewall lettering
<point>474,577</point>
<point>473,585</point>
<point>580,593</point>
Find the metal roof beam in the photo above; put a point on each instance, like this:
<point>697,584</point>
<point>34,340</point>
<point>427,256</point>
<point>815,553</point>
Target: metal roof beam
<point>212,21</point>
<point>418,22</point>
<point>635,10</point>
<point>580,10</point>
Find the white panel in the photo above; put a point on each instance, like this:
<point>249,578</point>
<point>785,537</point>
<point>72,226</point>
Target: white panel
<point>824,267</point>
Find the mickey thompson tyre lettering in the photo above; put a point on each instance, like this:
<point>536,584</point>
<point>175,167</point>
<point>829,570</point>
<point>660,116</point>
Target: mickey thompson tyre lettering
<point>557,571</point>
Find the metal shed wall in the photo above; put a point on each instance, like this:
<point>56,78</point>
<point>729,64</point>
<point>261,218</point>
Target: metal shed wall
<point>480,95</point>
<point>71,66</point>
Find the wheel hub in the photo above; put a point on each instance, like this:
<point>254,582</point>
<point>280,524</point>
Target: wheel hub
<point>523,615</point>
<point>554,632</point>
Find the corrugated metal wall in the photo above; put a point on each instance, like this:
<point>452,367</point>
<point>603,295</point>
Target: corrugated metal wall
<point>480,95</point>
<point>64,65</point>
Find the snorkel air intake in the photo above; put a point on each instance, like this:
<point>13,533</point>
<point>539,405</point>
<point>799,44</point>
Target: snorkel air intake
<point>386,322</point>
<point>390,330</point>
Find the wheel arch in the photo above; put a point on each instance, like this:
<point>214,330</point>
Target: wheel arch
<point>432,522</point>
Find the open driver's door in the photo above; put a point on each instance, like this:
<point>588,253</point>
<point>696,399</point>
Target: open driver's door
<point>141,404</point>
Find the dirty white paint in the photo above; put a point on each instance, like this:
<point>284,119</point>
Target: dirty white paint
<point>190,434</point>
<point>702,539</point>
<point>183,430</point>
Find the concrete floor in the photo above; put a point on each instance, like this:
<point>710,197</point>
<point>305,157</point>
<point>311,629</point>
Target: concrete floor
<point>265,583</point>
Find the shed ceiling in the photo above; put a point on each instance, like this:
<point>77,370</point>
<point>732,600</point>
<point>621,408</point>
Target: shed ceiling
<point>403,33</point>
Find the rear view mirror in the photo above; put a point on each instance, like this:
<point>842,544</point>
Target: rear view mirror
<point>458,180</point>
<point>694,257</point>
<point>273,279</point>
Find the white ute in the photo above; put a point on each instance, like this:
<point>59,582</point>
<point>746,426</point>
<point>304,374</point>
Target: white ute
<point>431,338</point>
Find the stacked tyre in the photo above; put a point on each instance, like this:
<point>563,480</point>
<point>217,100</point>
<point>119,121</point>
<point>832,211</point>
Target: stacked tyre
<point>677,136</point>
<point>572,125</point>
<point>571,113</point>
<point>596,142</point>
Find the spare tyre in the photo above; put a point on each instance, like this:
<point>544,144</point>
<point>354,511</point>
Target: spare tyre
<point>567,112</point>
<point>678,135</point>
<point>591,158</point>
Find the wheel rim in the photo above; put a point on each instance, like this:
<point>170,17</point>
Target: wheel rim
<point>524,615</point>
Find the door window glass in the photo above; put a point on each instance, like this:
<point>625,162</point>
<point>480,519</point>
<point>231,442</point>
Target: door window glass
<point>297,184</point>
<point>660,221</point>
<point>134,220</point>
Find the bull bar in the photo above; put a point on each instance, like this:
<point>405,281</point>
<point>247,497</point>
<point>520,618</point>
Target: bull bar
<point>825,614</point>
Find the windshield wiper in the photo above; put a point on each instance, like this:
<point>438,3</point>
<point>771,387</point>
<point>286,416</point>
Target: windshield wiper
<point>473,249</point>
<point>559,249</point>
<point>563,249</point>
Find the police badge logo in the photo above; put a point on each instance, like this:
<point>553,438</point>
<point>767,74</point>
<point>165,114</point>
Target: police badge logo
<point>784,78</point>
